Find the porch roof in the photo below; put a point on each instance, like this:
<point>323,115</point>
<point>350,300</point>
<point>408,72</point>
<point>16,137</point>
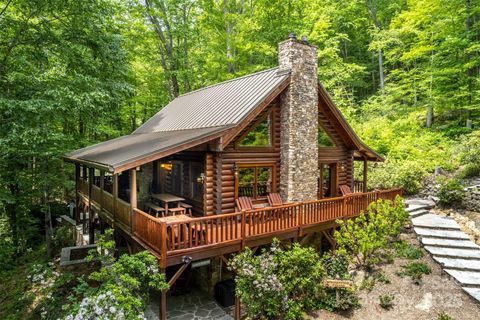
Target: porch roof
<point>132,150</point>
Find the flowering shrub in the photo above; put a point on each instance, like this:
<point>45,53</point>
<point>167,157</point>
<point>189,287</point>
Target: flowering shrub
<point>278,283</point>
<point>121,286</point>
<point>362,237</point>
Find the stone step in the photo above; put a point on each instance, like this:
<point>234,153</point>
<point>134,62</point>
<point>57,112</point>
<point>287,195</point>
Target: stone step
<point>474,292</point>
<point>458,264</point>
<point>466,278</point>
<point>417,213</point>
<point>449,243</point>
<point>446,234</point>
<point>430,220</point>
<point>456,253</point>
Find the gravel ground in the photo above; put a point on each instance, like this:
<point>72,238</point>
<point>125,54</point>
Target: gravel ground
<point>436,294</point>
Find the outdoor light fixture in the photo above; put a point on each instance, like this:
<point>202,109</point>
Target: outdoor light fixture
<point>166,166</point>
<point>235,170</point>
<point>201,178</point>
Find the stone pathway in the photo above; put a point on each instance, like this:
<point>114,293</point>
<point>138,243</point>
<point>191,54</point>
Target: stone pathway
<point>195,305</point>
<point>448,245</point>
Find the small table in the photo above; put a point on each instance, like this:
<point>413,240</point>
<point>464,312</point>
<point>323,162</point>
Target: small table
<point>177,218</point>
<point>167,198</point>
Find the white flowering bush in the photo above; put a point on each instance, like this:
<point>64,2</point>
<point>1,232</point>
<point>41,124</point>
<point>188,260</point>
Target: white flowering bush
<point>278,283</point>
<point>119,290</point>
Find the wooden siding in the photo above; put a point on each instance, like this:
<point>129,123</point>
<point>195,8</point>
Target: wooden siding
<point>224,163</point>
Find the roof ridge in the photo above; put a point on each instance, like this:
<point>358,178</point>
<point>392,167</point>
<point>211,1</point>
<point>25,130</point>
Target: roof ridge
<point>230,80</point>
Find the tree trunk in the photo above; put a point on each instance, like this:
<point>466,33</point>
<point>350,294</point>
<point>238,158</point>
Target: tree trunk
<point>380,71</point>
<point>429,116</point>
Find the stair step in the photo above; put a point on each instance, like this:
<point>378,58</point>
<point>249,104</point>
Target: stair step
<point>418,213</point>
<point>430,220</point>
<point>446,234</point>
<point>458,264</point>
<point>449,243</point>
<point>466,278</point>
<point>474,292</point>
<point>457,253</point>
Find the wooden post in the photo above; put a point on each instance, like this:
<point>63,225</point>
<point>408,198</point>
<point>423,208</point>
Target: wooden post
<point>243,231</point>
<point>91,229</point>
<point>102,187</point>
<point>162,314</point>
<point>365,169</point>
<point>115,197</point>
<point>238,310</point>
<point>77,198</point>
<point>133,194</point>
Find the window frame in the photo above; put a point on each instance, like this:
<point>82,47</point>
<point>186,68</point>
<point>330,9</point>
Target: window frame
<point>256,165</point>
<point>268,114</point>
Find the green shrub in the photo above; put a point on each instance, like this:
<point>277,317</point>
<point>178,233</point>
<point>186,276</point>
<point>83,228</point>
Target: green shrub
<point>62,237</point>
<point>451,193</point>
<point>361,238</point>
<point>444,316</point>
<point>278,283</point>
<point>121,287</point>
<point>407,251</point>
<point>470,170</point>
<point>414,270</point>
<point>386,301</point>
<point>367,284</point>
<point>381,277</point>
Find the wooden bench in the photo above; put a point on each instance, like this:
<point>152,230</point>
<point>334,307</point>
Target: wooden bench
<point>188,208</point>
<point>177,210</point>
<point>155,208</point>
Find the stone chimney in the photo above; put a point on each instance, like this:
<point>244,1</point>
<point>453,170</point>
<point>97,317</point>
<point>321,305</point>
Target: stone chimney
<point>299,121</point>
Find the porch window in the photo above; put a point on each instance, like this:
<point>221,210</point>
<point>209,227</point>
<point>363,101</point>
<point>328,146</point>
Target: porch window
<point>175,178</point>
<point>255,181</point>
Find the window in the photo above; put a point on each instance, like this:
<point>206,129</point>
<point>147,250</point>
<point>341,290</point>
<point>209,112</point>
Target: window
<point>259,136</point>
<point>324,139</point>
<point>174,177</point>
<point>196,180</point>
<point>255,181</point>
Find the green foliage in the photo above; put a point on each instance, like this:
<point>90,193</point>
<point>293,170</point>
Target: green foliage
<point>405,250</point>
<point>386,301</point>
<point>121,286</point>
<point>444,316</point>
<point>470,170</point>
<point>62,237</point>
<point>414,270</point>
<point>363,237</point>
<point>451,193</point>
<point>278,283</point>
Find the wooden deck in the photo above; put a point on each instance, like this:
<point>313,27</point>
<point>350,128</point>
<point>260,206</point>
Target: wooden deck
<point>214,235</point>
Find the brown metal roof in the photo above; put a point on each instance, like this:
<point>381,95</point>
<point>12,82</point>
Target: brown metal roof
<point>135,149</point>
<point>225,103</point>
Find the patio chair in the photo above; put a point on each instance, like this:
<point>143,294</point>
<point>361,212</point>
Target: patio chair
<point>345,190</point>
<point>274,199</point>
<point>244,203</point>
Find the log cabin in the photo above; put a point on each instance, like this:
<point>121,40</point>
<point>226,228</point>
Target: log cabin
<point>172,186</point>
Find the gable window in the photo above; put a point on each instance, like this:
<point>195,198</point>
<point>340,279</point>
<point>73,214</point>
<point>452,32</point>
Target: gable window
<point>259,136</point>
<point>324,139</point>
<point>255,181</point>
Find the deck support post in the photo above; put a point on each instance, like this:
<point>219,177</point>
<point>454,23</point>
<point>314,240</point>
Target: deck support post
<point>115,197</point>
<point>102,186</point>
<point>133,194</point>
<point>91,229</point>
<point>77,198</point>
<point>365,170</point>
<point>238,310</point>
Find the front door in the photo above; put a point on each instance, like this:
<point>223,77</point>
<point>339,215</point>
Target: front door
<point>328,180</point>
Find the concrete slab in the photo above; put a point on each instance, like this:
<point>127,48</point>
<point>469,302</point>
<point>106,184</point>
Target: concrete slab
<point>458,264</point>
<point>449,243</point>
<point>468,278</point>
<point>447,234</point>
<point>430,220</point>
<point>451,252</point>
<point>474,292</point>
<point>417,213</point>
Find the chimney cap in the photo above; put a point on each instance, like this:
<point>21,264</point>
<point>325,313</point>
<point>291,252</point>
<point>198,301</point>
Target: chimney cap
<point>292,35</point>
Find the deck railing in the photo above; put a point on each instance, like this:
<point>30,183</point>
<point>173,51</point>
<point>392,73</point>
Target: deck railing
<point>358,186</point>
<point>178,237</point>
